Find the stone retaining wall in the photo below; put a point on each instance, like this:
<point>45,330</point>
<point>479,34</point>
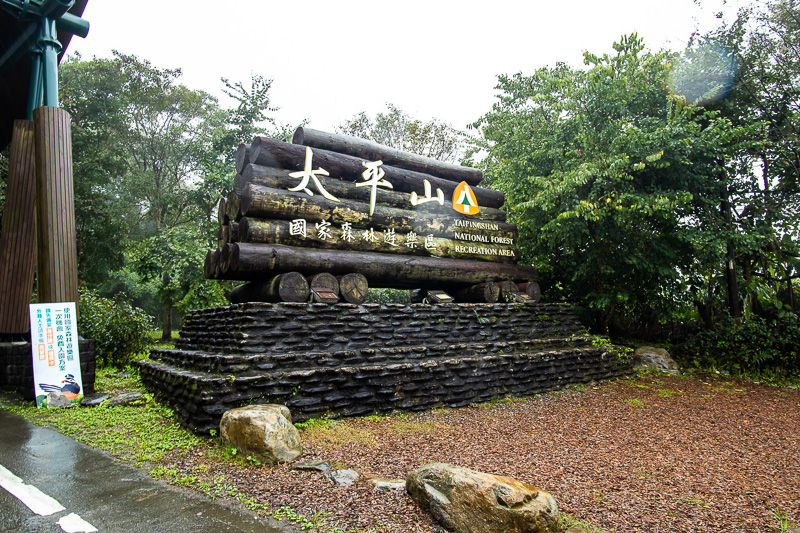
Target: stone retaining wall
<point>16,367</point>
<point>348,360</point>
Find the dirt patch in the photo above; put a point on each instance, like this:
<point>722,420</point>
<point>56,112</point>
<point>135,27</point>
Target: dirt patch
<point>652,454</point>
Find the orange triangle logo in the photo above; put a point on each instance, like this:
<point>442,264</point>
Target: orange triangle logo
<point>464,200</point>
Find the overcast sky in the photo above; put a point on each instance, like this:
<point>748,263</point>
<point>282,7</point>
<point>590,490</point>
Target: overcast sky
<point>331,59</point>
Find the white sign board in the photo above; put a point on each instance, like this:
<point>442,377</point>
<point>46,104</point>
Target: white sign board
<point>54,346</point>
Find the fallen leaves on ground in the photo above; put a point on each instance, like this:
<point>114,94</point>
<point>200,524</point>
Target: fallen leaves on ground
<point>655,453</point>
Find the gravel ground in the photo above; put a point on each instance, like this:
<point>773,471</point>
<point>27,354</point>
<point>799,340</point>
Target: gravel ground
<point>654,454</point>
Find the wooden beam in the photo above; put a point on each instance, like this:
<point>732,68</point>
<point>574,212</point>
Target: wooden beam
<point>18,242</point>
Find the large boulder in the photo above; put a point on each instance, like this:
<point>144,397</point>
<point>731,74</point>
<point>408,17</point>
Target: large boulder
<point>649,358</point>
<point>466,501</point>
<point>262,431</point>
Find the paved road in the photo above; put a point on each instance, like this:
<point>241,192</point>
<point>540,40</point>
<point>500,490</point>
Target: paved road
<point>97,493</point>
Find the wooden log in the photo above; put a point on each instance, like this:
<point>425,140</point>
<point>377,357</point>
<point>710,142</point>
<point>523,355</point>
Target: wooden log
<point>288,287</point>
<point>222,235</point>
<point>277,154</point>
<point>242,157</point>
<point>373,151</point>
<point>222,215</point>
<point>532,289</point>
<point>268,203</point>
<point>488,292</point>
<point>508,291</point>
<point>324,281</point>
<point>56,251</point>
<point>328,236</point>
<point>227,233</point>
<point>353,287</point>
<point>224,262</point>
<point>211,264</point>
<point>18,242</point>
<point>233,206</point>
<point>276,178</point>
<point>258,261</point>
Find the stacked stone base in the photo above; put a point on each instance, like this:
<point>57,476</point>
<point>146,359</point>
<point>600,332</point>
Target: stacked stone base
<point>16,367</point>
<point>347,360</point>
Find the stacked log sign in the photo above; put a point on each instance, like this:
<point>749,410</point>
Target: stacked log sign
<point>365,215</point>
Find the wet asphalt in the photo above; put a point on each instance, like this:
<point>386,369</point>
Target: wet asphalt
<point>110,496</point>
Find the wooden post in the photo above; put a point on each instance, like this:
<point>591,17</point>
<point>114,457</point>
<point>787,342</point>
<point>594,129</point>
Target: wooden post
<point>56,259</point>
<point>18,242</point>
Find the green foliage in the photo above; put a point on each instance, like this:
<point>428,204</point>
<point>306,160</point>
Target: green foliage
<point>613,180</point>
<point>118,328</point>
<point>202,294</point>
<point>387,296</point>
<point>749,346</point>
<point>397,129</point>
<point>152,157</point>
<point>127,432</point>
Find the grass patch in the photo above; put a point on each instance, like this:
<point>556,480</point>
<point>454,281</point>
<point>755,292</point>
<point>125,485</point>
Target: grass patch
<point>666,393</point>
<point>636,403</point>
<point>566,521</point>
<point>140,434</point>
<point>333,433</point>
<point>692,501</point>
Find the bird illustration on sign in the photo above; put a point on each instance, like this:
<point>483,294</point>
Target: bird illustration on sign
<point>70,389</point>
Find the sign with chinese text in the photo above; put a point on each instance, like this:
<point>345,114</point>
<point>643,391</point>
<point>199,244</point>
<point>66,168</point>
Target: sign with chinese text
<point>54,347</point>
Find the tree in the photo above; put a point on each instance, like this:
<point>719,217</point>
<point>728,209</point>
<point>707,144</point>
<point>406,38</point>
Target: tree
<point>764,41</point>
<point>397,129</point>
<point>614,181</point>
<point>152,157</point>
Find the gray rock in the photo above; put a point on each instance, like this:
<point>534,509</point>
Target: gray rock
<point>316,465</point>
<point>465,501</point>
<point>386,484</point>
<point>93,400</point>
<point>263,431</point>
<point>57,400</point>
<point>343,477</point>
<point>649,358</point>
<point>128,398</point>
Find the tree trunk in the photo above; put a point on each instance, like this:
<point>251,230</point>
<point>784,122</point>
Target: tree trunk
<point>256,261</point>
<point>166,327</point>
<point>372,151</point>
<point>730,262</point>
<point>272,153</point>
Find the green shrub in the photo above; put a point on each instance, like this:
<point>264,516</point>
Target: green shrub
<point>118,328</point>
<point>387,296</point>
<point>756,344</point>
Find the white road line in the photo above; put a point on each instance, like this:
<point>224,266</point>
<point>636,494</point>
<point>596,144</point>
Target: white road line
<point>73,523</point>
<point>36,500</point>
<point>42,504</point>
